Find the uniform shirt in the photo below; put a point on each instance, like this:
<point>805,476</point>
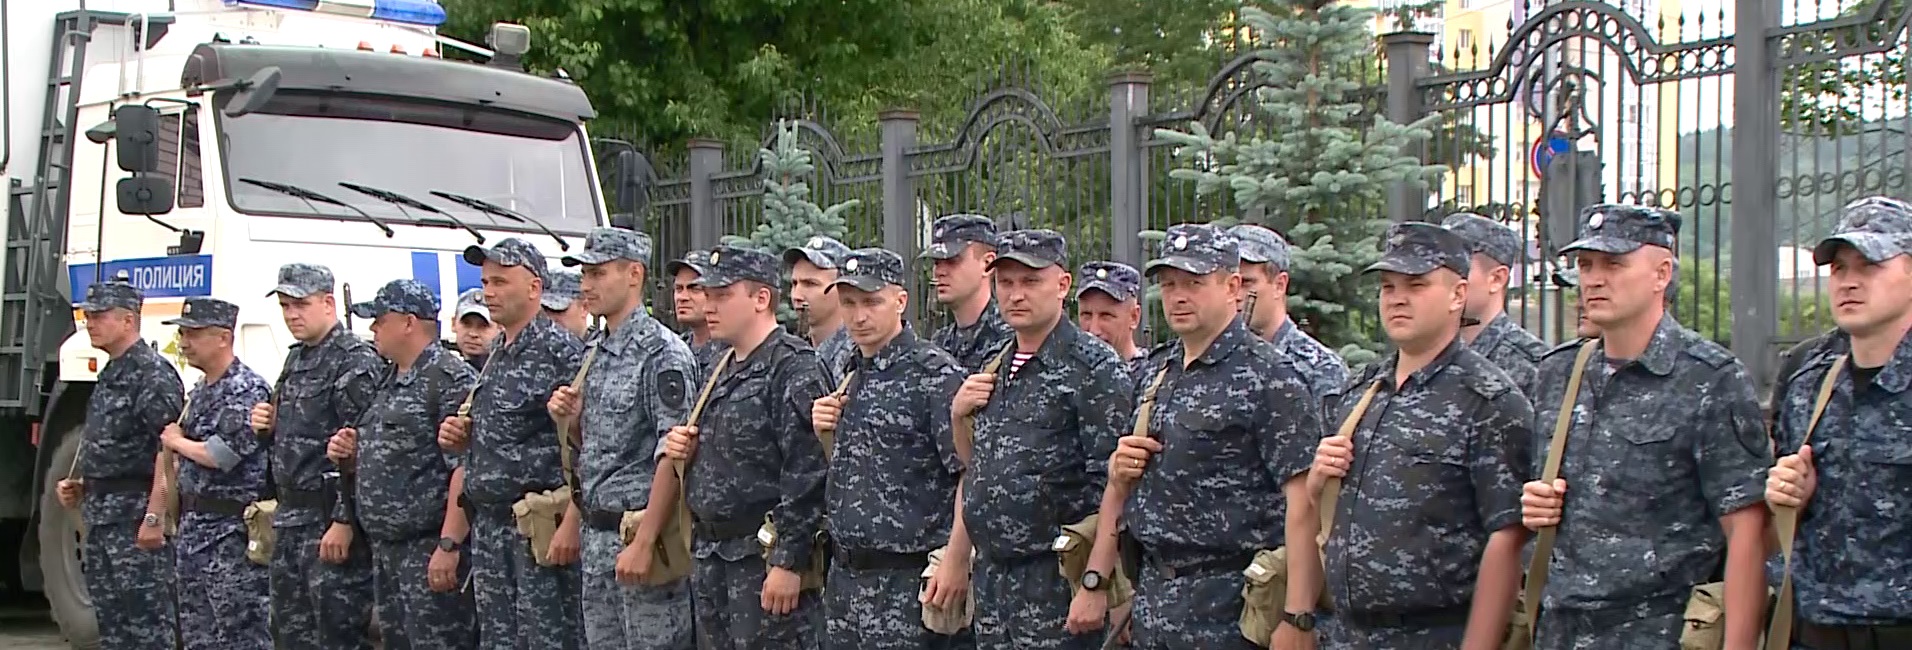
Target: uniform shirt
<point>756,452</point>
<point>1439,462</point>
<point>705,354</point>
<point>403,477</point>
<point>975,345</point>
<point>638,387</point>
<point>1326,373</point>
<point>1043,442</point>
<point>1660,448</point>
<point>1852,555</point>
<point>220,415</point>
<point>1831,342</point>
<point>834,352</point>
<point>135,397</point>
<point>894,470</point>
<point>514,442</point>
<point>1511,349</point>
<point>322,388</point>
<point>1234,426</point>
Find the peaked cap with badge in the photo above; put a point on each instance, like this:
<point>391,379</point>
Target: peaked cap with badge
<point>1486,236</point>
<point>950,234</point>
<point>201,313</point>
<point>472,302</point>
<point>696,260</point>
<point>607,243</point>
<point>1120,281</point>
<point>870,269</point>
<point>1034,248</point>
<point>727,265</point>
<point>1197,248</point>
<point>1416,248</point>
<point>1880,228</point>
<point>510,251</point>
<point>116,293</point>
<point>820,251</point>
<point>1260,245</point>
<point>400,297</point>
<point>300,280</point>
<point>1620,229</point>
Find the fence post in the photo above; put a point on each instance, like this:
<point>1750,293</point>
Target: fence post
<point>1128,168</point>
<point>1755,185</point>
<point>706,160</point>
<point>1407,63</point>
<point>898,127</point>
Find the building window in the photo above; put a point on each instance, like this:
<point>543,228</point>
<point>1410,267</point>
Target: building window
<point>179,156</point>
<point>1465,41</point>
<point>1464,196</point>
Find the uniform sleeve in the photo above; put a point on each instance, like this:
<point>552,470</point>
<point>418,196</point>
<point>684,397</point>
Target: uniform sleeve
<point>1286,435</point>
<point>1731,449</point>
<point>356,386</point>
<point>1105,405</point>
<point>799,510</point>
<point>232,438</point>
<point>1500,458</point>
<point>672,377</point>
<point>459,379</point>
<point>941,389</point>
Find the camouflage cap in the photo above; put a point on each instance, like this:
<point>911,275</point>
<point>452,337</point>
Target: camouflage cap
<point>728,265</point>
<point>1621,229</point>
<point>1197,248</point>
<point>1879,227</point>
<point>510,251</point>
<point>1259,245</point>
<point>1034,248</point>
<point>605,244</point>
<point>870,269</point>
<point>115,293</point>
<point>561,288</point>
<point>1486,236</point>
<point>300,280</point>
<point>1121,281</point>
<point>694,260</point>
<point>950,234</point>
<point>203,312</point>
<point>820,251</point>
<point>1416,248</point>
<point>402,297</point>
<point>472,301</point>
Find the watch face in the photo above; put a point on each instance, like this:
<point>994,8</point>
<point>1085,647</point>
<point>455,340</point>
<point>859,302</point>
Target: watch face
<point>446,544</point>
<point>1091,580</point>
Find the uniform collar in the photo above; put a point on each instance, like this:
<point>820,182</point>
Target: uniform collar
<point>231,371</point>
<point>990,313</point>
<point>1233,336</point>
<point>1426,374</point>
<point>1897,373</point>
<point>1283,331</point>
<point>1055,347</point>
<point>893,352</point>
<point>1492,332</point>
<point>1661,350</point>
<point>425,358</point>
<point>624,336</point>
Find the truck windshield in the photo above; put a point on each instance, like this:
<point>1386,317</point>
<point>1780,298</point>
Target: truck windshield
<point>532,165</point>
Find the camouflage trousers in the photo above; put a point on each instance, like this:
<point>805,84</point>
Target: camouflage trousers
<point>521,606</point>
<point>131,588</point>
<point>224,598</point>
<point>874,610</point>
<point>727,600</point>
<point>1654,624</point>
<point>317,605</point>
<point>410,615</point>
<point>1188,612</point>
<point>617,617</point>
<point>1337,634</point>
<point>1022,604</point>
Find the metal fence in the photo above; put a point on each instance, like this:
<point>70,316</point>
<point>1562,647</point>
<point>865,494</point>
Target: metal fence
<point>1581,102</point>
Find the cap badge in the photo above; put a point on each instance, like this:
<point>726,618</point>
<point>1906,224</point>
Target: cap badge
<point>1596,220</point>
<point>713,257</point>
<point>940,232</point>
<point>1102,274</point>
<point>1181,242</point>
<point>815,242</point>
<point>850,266</point>
<point>186,310</point>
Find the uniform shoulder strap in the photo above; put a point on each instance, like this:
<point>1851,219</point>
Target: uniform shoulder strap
<point>1786,522</point>
<point>1556,449</point>
<point>1330,496</point>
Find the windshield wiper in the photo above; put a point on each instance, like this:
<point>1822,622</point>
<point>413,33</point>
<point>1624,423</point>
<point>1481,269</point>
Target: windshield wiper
<point>403,202</point>
<point>496,210</point>
<point>308,196</point>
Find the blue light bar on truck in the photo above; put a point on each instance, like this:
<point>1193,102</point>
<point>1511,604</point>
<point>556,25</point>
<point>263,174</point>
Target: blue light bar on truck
<point>416,12</point>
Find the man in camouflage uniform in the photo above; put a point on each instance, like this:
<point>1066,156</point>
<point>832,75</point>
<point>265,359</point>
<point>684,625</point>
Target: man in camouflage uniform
<point>639,386</point>
<point>472,327</point>
<point>1109,306</point>
<point>1425,550</point>
<point>510,447</point>
<point>1495,250</point>
<point>813,266</point>
<point>687,299</point>
<point>1265,260</point>
<point>128,573</point>
<point>407,489</point>
<point>1232,420</point>
<point>321,568</point>
<point>561,305</point>
<point>761,460</point>
<point>893,471</point>
<point>962,247</point>
<point>1853,483</point>
<point>1046,423</point>
<point>1665,461</point>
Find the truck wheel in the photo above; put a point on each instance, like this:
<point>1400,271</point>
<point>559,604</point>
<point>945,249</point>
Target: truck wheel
<point>64,585</point>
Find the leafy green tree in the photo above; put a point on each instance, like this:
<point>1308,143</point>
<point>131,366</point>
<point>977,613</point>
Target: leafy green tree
<point>1828,97</point>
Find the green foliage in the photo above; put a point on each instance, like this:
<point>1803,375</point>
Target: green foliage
<point>1828,97</point>
<point>790,217</point>
<point>1703,303</point>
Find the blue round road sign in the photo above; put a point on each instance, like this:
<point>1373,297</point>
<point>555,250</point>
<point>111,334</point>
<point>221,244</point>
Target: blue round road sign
<point>1545,149</point>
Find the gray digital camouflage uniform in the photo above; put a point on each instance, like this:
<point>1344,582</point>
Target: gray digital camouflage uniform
<point>1234,426</point>
<point>135,397</point>
<point>756,456</point>
<point>513,451</point>
<point>322,387</point>
<point>826,253</point>
<point>404,481</point>
<point>892,479</point>
<point>1121,282</point>
<point>1512,349</point>
<point>1326,373</point>
<point>835,352</point>
<point>1040,462</point>
<point>972,345</point>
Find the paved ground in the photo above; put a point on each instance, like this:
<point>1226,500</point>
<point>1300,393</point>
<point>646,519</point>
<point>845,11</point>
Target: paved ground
<point>29,629</point>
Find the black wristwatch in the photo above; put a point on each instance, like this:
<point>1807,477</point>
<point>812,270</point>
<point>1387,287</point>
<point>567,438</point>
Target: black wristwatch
<point>448,545</point>
<point>1304,621</point>
<point>1092,580</point>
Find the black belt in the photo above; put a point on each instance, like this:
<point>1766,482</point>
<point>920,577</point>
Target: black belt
<point>316,499</point>
<point>723,531</point>
<point>120,485</point>
<point>211,505</point>
<point>1852,637</point>
<point>1185,564</point>
<point>1456,615</point>
<point>602,521</point>
<point>872,560</point>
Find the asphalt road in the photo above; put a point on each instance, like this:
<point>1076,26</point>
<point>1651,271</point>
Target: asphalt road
<point>29,629</point>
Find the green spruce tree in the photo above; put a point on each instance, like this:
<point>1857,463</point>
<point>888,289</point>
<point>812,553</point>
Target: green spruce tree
<point>790,217</point>
<point>1320,175</point>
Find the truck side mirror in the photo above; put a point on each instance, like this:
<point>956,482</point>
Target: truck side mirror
<point>146,194</point>
<point>629,175</point>
<point>137,129</point>
<point>253,94</point>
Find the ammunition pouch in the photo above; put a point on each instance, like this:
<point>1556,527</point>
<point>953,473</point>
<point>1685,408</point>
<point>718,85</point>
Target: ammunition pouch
<point>260,536</point>
<point>819,554</point>
<point>1264,593</point>
<point>1705,627</point>
<point>1072,549</point>
<point>670,554</point>
<point>940,620</point>
<point>539,514</point>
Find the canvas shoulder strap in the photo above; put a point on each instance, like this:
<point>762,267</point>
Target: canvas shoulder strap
<point>964,428</point>
<point>566,452</point>
<point>1563,422</point>
<point>1330,497</point>
<point>697,409</point>
<point>828,436</point>
<point>1145,408</point>
<point>1786,521</point>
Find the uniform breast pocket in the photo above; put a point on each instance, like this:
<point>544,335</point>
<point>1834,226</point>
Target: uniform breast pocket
<point>1884,471</point>
<point>1652,458</point>
<point>1436,461</point>
<point>1207,435</point>
<point>614,393</point>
